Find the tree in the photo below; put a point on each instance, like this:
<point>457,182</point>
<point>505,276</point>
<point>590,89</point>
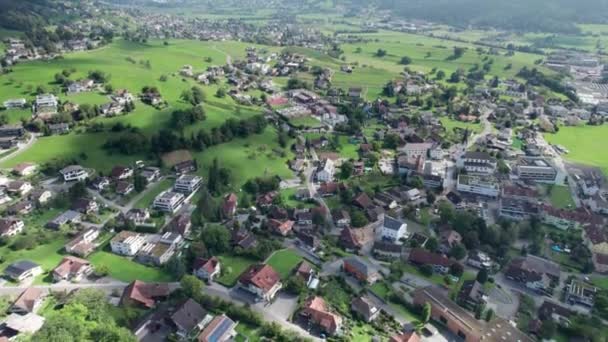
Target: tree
<point>489,315</point>
<point>458,252</point>
<point>405,60</point>
<point>381,53</point>
<point>430,198</point>
<point>426,313</point>
<point>139,183</point>
<point>358,219</point>
<point>295,285</point>
<point>77,191</point>
<point>417,182</point>
<point>482,276</point>
<point>198,96</point>
<point>456,270</point>
<point>346,170</point>
<point>216,238</point>
<point>191,285</point>
<point>220,93</point>
<point>440,75</point>
<point>431,244</point>
<point>102,270</point>
<point>108,88</point>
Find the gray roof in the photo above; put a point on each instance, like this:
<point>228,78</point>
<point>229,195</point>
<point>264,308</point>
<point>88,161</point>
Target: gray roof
<point>19,267</point>
<point>392,223</point>
<point>188,315</point>
<point>360,265</point>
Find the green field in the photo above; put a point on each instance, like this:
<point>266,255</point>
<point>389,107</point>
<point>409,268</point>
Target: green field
<point>585,144</point>
<point>232,268</point>
<point>126,270</point>
<point>560,196</point>
<point>284,261</point>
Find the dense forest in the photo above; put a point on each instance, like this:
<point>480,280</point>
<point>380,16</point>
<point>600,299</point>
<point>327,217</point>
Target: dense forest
<point>557,16</point>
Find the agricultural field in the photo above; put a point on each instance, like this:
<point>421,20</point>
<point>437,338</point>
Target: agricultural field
<point>586,144</point>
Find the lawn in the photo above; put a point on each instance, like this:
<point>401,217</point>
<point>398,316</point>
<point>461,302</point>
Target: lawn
<point>560,196</point>
<point>47,255</point>
<point>14,116</point>
<point>381,289</point>
<point>232,268</point>
<point>127,270</point>
<point>284,261</point>
<point>306,121</point>
<point>585,144</point>
<point>156,188</point>
<point>450,124</point>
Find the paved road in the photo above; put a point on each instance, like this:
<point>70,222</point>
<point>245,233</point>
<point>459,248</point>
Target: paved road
<point>20,148</point>
<point>309,175</point>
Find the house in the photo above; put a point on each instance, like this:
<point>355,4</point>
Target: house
<point>187,184</point>
<point>10,226</point>
<point>67,217</point>
<point>364,308</point>
<point>578,292</point>
<point>341,218</point>
<point>229,205</point>
<point>471,294</point>
<point>360,270</point>
<point>22,269</point>
<point>262,281</point>
<point>28,301</point>
<point>244,238</point>
<point>421,257</point>
<point>150,173</point>
<point>28,324</point>
<point>185,167</point>
<point>83,244</point>
<point>220,329</point>
<point>354,239</point>
<point>325,171</point>
<point>4,198</point>
<point>207,269</point>
<point>14,103</point>
<point>20,188</point>
<point>121,173</point>
<point>157,252</point>
<point>138,217</point>
<point>477,163</point>
<point>25,169</point>
<point>282,228</point>
<point>72,269</point>
<point>414,150</point>
<point>564,219</point>
<point>317,312</point>
<point>74,173</point>
<point>517,209</point>
<point>59,128</point>
<point>20,208</point>
<point>328,189</point>
<point>448,239</point>
<point>461,323</point>
<point>411,336</point>
<point>393,230</point>
<point>100,183</point>
<point>363,201</point>
<point>85,206</point>
<point>308,240</point>
<point>145,295</point>
<point>479,260</point>
<point>124,188</point>
<point>555,312</point>
<point>127,243</point>
<point>189,315</point>
<point>80,86</point>
<point>41,196</point>
<point>181,224</point>
<point>534,272</point>
<point>305,272</point>
<point>168,201</point>
<point>46,104</point>
<point>387,250</point>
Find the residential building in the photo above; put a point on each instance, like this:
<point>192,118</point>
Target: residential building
<point>100,183</point>
<point>421,257</point>
<point>19,188</point>
<point>158,251</point>
<point>282,228</point>
<point>325,171</point>
<point>341,218</point>
<point>534,272</point>
<point>477,163</point>
<point>41,196</point>
<point>359,269</point>
<point>365,308</point>
<point>220,329</point>
<point>22,269</point>
<point>28,324</point>
<point>85,206</point>
<point>23,207</point>
<point>207,269</point>
<point>564,219</point>
<point>127,243</point>
<point>59,128</point>
<point>448,239</point>
<point>10,226</point>
<point>229,205</point>
<point>24,169</point>
<point>181,224</point>
<point>14,103</point>
<point>188,317</point>
<point>317,313</point>
<point>536,169</point>
<point>517,209</point>
<point>83,244</point>
<point>410,336</point>
<point>387,250</point>
<point>578,292</point>
<point>471,295</point>
<point>124,188</point>
<point>187,184</point>
<point>145,295</point>
<point>72,269</point>
<point>67,217</point>
<point>393,230</point>
<point>138,217</point>
<point>28,301</point>
<point>478,185</point>
<point>121,172</point>
<point>46,104</point>
<point>479,260</point>
<point>74,173</point>
<point>262,281</point>
<point>168,201</point>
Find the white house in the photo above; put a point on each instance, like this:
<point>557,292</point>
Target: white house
<point>127,243</point>
<point>11,226</point>
<point>207,269</point>
<point>74,173</point>
<point>393,229</point>
<point>325,172</point>
<point>187,184</point>
<point>14,103</point>
<point>168,201</point>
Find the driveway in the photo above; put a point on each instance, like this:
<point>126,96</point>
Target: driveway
<point>502,302</point>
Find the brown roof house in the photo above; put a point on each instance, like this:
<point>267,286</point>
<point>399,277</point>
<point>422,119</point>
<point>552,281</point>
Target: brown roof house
<point>317,313</point>
<point>420,257</point>
<point>144,295</point>
<point>365,308</point>
<point>262,281</point>
<point>72,269</point>
<point>471,294</point>
<point>188,316</point>
<point>411,336</point>
<point>207,269</point>
<point>363,272</point>
<point>29,300</point>
<point>534,272</point>
<point>229,205</point>
<point>282,228</point>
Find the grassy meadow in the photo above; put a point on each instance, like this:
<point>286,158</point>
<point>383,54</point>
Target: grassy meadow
<point>585,143</point>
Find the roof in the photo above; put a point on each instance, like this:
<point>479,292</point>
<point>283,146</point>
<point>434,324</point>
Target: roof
<point>19,267</point>
<point>69,265</point>
<point>27,299</point>
<point>387,247</point>
<point>217,329</point>
<point>208,265</point>
<point>411,336</point>
<point>479,155</point>
<point>424,257</point>
<point>360,266</point>
<point>316,309</point>
<point>145,293</point>
<point>526,267</point>
<point>261,276</point>
<point>188,314</point>
<point>391,223</point>
<point>29,323</point>
<point>363,201</point>
<point>363,305</point>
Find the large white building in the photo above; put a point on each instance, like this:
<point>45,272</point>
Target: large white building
<point>46,104</point>
<point>74,173</point>
<point>478,185</point>
<point>536,169</point>
<point>477,163</point>
<point>187,184</point>
<point>127,243</point>
<point>393,230</point>
<point>413,150</point>
<point>168,201</point>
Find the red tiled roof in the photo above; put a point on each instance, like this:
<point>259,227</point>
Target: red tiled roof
<point>424,257</point>
<point>206,264</point>
<point>261,276</point>
<point>144,293</point>
<point>70,265</point>
<point>406,337</point>
<point>316,309</point>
